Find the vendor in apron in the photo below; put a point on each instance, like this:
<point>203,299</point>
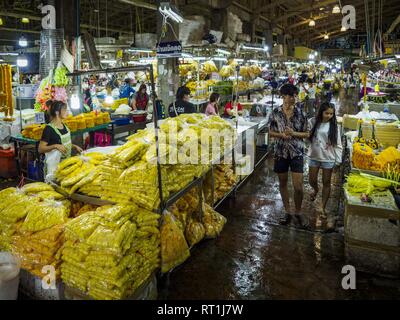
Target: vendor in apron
<point>141,99</point>
<point>56,143</point>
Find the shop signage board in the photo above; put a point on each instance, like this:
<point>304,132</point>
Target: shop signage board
<point>167,50</point>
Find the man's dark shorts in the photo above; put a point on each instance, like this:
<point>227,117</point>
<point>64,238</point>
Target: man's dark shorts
<point>295,165</point>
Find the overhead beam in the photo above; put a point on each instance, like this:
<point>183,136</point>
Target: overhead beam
<point>306,21</point>
<point>388,12</point>
<point>393,26</point>
<point>274,3</point>
<point>89,27</point>
<point>295,11</point>
<point>20,15</point>
<point>331,34</point>
<point>355,3</point>
<point>140,4</point>
<point>37,18</point>
<point>336,24</point>
<point>19,30</point>
<point>248,10</point>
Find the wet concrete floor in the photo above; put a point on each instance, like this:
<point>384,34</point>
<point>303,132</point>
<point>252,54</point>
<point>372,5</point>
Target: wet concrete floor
<point>256,258</point>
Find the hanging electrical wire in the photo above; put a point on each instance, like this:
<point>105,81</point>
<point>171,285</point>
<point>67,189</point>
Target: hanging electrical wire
<point>98,18</point>
<point>373,34</point>
<point>106,19</point>
<point>367,27</point>
<point>378,44</point>
<point>132,30</point>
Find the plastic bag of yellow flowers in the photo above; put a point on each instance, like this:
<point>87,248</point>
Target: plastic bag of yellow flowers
<point>174,249</point>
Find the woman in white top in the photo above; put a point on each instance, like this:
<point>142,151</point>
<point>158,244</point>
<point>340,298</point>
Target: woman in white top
<point>325,152</point>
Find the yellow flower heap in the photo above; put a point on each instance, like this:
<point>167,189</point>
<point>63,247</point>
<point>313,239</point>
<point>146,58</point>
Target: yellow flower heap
<point>365,158</point>
<point>129,178</point>
<point>112,251</point>
<point>130,173</point>
<point>31,225</point>
<point>224,179</point>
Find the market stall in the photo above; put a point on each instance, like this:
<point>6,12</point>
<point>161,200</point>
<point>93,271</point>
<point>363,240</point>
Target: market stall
<point>131,193</point>
<point>372,232</point>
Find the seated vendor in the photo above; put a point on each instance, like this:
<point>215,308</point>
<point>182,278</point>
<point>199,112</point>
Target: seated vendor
<point>229,108</point>
<point>140,100</point>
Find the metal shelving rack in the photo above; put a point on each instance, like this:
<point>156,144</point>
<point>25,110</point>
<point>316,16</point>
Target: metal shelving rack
<point>144,68</point>
<point>198,182</point>
<point>164,203</point>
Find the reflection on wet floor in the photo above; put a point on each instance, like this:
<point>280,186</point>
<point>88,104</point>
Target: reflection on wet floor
<point>256,258</point>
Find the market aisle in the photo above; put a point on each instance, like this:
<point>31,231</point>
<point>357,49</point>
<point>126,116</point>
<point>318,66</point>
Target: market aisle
<point>256,258</point>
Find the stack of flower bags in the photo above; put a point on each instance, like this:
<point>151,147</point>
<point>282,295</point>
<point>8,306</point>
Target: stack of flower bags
<point>111,252</point>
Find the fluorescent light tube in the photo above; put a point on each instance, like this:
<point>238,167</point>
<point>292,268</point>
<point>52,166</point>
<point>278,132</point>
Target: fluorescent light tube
<point>223,51</point>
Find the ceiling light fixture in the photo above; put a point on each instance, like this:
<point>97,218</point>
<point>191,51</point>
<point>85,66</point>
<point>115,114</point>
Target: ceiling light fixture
<point>140,50</point>
<point>187,55</point>
<point>109,61</point>
<point>23,42</point>
<point>199,58</point>
<point>167,10</point>
<point>25,20</point>
<point>326,37</point>
<point>147,61</point>
<point>220,59</point>
<point>22,61</point>
<point>343,29</point>
<point>336,9</point>
<point>223,51</point>
<point>311,23</point>
<point>265,48</point>
<point>8,54</point>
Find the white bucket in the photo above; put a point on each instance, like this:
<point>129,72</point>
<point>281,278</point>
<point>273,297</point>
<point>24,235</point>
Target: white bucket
<point>9,276</point>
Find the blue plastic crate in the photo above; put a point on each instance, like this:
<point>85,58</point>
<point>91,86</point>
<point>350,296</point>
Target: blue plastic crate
<point>122,121</point>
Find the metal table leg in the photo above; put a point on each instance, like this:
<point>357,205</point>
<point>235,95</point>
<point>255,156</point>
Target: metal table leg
<point>17,151</point>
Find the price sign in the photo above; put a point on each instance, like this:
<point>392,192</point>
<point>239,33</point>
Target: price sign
<point>39,118</point>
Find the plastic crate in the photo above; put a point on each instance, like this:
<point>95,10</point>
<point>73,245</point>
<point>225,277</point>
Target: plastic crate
<point>121,121</point>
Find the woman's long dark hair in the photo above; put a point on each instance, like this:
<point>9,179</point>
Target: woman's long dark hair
<point>333,128</point>
<point>214,97</point>
<point>142,86</point>
<point>54,107</point>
